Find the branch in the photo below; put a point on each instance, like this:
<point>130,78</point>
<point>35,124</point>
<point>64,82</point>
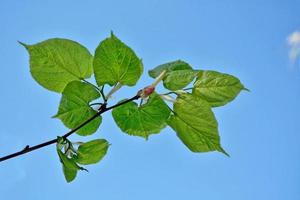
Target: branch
<point>101,110</point>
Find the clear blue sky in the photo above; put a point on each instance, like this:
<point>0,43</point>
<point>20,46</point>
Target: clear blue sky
<point>260,129</point>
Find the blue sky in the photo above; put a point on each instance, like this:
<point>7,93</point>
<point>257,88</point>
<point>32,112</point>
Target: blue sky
<point>260,129</point>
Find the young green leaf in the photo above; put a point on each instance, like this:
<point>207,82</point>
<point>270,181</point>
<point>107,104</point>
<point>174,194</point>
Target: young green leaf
<point>195,124</point>
<point>179,79</point>
<point>92,151</point>
<point>70,167</point>
<point>56,62</point>
<point>74,107</point>
<point>142,120</point>
<point>169,67</point>
<point>115,62</point>
<point>70,174</point>
<point>217,88</point>
<point>179,74</point>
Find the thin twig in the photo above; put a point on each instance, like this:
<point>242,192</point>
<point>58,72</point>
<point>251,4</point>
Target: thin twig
<point>101,110</point>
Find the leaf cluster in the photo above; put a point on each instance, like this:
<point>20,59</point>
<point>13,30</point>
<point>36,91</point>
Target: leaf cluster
<point>65,66</point>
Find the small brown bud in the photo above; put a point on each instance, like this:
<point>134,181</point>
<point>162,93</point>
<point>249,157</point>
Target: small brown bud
<point>144,93</point>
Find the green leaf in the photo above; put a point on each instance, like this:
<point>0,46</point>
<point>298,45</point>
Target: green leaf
<point>56,62</point>
<point>67,160</point>
<point>116,62</point>
<point>217,88</point>
<point>74,107</point>
<point>92,151</point>
<point>179,79</point>
<point>142,120</point>
<point>70,174</point>
<point>195,124</point>
<point>179,74</point>
<point>169,67</point>
<point>70,167</point>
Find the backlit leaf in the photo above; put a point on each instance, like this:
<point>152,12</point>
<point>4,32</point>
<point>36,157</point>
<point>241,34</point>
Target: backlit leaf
<point>69,166</point>
<point>74,107</point>
<point>116,62</point>
<point>70,174</point>
<point>217,88</point>
<point>178,74</point>
<point>179,79</point>
<point>92,152</point>
<point>142,120</point>
<point>169,67</point>
<point>56,62</point>
<point>195,124</point>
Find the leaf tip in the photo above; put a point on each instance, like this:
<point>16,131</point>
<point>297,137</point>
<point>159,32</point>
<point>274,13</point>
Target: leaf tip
<point>69,181</point>
<point>23,44</point>
<point>54,116</point>
<point>223,151</point>
<point>246,89</point>
<point>84,169</point>
<point>112,34</point>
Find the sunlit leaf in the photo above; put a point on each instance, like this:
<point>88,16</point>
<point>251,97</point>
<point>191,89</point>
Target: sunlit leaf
<point>195,124</point>
<point>115,62</point>
<point>142,120</point>
<point>179,74</point>
<point>74,107</point>
<point>169,67</point>
<point>92,152</point>
<point>56,62</point>
<point>69,166</point>
<point>179,79</point>
<point>70,174</point>
<point>217,88</point>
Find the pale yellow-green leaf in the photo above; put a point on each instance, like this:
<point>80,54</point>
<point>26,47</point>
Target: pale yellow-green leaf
<point>217,88</point>
<point>195,124</point>
<point>56,62</point>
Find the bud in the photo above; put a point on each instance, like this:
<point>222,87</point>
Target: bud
<point>144,93</point>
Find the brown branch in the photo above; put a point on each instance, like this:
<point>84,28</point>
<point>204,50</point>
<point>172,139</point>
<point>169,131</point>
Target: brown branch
<point>101,110</point>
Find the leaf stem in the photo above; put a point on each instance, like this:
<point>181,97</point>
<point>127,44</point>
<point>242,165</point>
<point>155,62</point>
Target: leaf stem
<point>101,110</point>
<point>95,104</point>
<point>113,90</point>
<point>171,109</point>
<point>97,88</point>
<point>167,98</point>
<point>159,78</point>
<point>176,92</point>
<point>186,89</point>
<point>141,102</point>
<point>102,93</point>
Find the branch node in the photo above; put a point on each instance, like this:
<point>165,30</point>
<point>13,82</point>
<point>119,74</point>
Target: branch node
<point>26,148</point>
